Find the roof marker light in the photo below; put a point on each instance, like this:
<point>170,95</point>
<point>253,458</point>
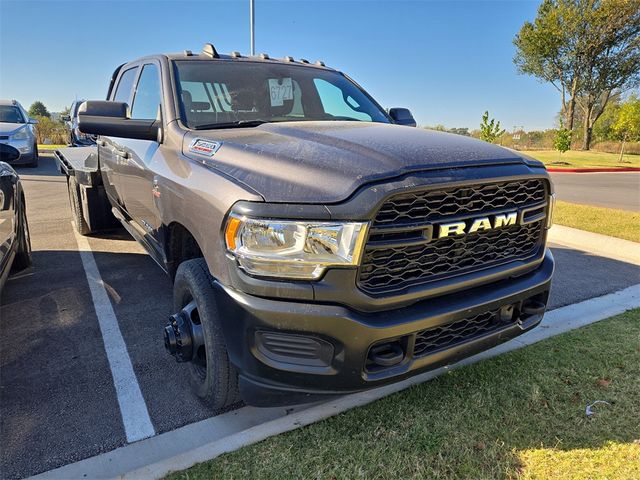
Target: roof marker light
<point>210,51</point>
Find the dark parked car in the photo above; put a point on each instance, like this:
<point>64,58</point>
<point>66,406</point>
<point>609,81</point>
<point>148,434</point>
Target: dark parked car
<point>76,137</point>
<point>15,244</point>
<point>318,244</point>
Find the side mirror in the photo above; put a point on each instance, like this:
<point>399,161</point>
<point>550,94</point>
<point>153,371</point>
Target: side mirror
<point>65,118</point>
<point>402,116</point>
<point>33,121</point>
<point>111,119</point>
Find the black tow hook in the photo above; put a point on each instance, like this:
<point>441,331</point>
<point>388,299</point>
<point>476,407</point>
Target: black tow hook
<point>533,307</point>
<point>182,337</point>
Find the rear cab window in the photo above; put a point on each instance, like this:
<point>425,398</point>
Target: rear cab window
<point>124,88</point>
<point>146,100</point>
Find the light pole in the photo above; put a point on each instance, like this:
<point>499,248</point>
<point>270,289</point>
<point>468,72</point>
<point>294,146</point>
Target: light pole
<point>252,15</point>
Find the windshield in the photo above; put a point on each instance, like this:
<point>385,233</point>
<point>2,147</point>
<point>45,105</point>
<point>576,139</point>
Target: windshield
<point>10,114</point>
<point>231,93</point>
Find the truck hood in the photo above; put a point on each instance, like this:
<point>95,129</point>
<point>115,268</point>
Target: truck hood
<point>325,162</point>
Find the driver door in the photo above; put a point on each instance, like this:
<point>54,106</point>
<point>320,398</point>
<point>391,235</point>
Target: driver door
<point>110,151</point>
<point>138,172</point>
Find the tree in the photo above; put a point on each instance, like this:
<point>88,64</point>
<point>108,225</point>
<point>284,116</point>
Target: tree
<point>490,130</point>
<point>610,54</point>
<point>546,49</point>
<point>627,126</point>
<point>48,131</point>
<point>603,128</point>
<point>562,140</point>
<point>37,109</point>
<point>588,49</point>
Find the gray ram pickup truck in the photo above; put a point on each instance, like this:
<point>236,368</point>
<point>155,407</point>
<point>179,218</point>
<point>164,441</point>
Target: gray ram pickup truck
<point>318,244</point>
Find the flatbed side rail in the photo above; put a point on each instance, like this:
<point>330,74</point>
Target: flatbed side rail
<point>63,165</point>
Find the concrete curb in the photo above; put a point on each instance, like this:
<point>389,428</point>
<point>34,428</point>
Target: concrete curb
<point>603,245</point>
<point>144,459</point>
<point>593,170</point>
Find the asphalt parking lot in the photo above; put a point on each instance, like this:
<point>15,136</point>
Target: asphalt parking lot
<point>59,404</point>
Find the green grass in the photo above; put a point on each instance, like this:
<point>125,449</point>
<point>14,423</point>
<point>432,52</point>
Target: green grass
<point>607,221</point>
<point>50,147</point>
<point>580,159</point>
<point>518,415</point>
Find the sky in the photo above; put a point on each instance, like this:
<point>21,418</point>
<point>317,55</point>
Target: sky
<point>447,61</point>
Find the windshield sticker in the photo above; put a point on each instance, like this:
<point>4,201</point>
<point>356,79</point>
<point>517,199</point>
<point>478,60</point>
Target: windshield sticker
<point>280,90</point>
<point>204,147</point>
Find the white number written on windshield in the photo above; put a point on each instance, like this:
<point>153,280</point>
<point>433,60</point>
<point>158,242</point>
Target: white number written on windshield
<point>280,90</point>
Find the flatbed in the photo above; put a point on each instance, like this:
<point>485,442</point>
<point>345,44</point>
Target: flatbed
<point>90,206</point>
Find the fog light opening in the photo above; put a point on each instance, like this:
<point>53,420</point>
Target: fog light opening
<point>385,355</point>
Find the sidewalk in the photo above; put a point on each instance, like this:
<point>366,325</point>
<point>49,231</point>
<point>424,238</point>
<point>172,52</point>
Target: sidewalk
<point>601,245</point>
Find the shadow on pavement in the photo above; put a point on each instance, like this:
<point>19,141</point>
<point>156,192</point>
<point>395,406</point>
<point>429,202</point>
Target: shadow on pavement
<point>580,275</point>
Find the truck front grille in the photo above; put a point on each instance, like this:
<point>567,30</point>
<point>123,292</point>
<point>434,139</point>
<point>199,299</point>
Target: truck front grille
<point>402,251</point>
<point>438,338</point>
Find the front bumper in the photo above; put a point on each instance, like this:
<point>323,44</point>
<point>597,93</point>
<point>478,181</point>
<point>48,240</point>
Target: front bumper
<point>26,149</point>
<point>267,380</point>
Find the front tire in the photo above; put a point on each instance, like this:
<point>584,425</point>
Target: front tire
<point>213,378</point>
<point>36,157</point>
<point>23,258</point>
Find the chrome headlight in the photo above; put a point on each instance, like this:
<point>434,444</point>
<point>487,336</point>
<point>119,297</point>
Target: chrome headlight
<point>22,134</point>
<point>293,249</point>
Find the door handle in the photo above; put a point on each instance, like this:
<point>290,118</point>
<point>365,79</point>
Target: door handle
<point>123,153</point>
<point>101,143</point>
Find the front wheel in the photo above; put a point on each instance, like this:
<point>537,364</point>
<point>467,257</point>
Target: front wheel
<point>213,377</point>
<point>36,158</point>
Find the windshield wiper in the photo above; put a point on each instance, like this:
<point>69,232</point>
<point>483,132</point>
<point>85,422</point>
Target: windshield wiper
<point>239,123</point>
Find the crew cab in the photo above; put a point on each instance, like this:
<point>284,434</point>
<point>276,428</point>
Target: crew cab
<point>318,244</point>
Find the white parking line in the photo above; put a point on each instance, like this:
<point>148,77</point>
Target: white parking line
<point>135,416</point>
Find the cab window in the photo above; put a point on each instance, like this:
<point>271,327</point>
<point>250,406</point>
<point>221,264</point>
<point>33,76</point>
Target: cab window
<point>147,94</point>
<point>125,85</point>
